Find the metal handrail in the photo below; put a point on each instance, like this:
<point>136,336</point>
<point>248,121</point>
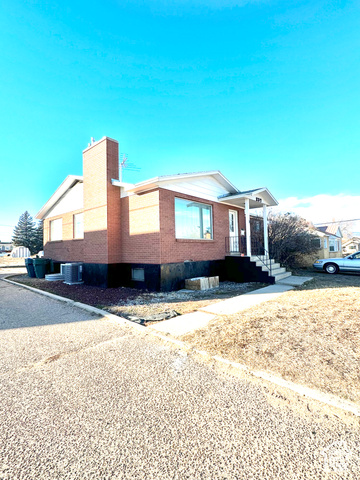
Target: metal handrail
<point>267,257</point>
<point>236,245</point>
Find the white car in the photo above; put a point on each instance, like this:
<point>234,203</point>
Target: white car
<point>351,263</point>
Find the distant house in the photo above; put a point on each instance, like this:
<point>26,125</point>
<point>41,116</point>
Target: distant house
<point>151,234</point>
<point>332,240</point>
<point>327,242</point>
<point>5,247</point>
<point>351,245</point>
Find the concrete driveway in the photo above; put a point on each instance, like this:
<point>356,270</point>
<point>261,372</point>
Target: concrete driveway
<point>85,398</point>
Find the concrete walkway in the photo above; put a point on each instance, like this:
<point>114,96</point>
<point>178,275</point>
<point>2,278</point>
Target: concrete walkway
<point>193,321</point>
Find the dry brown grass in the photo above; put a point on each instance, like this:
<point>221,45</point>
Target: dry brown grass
<point>9,261</point>
<point>310,336</point>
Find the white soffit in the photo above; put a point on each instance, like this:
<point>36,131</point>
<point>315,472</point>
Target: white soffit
<point>68,183</point>
<point>166,180</point>
<point>239,199</point>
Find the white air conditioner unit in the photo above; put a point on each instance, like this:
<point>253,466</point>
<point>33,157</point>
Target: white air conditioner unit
<point>72,273</point>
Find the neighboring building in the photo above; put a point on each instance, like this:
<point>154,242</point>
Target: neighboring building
<point>351,245</point>
<point>5,247</point>
<point>153,234</point>
<point>333,246</point>
<point>20,252</point>
<point>328,244</point>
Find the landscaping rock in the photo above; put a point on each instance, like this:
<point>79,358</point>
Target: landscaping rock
<point>158,317</point>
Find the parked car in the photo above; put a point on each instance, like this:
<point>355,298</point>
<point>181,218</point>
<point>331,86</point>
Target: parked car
<point>351,263</point>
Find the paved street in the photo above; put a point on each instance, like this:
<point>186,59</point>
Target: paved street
<point>86,398</point>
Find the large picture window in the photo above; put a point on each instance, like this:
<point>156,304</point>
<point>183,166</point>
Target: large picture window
<point>56,230</point>
<point>193,220</point>
<point>79,225</point>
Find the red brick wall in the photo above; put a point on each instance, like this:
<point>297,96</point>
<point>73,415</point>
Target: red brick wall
<point>178,250</point>
<point>68,249</point>
<point>148,230</point>
<point>101,203</point>
<point>140,228</point>
<point>113,203</point>
<point>101,243</point>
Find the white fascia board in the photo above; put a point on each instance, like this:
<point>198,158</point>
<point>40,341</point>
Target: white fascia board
<point>125,185</point>
<point>69,182</point>
<point>339,233</point>
<point>270,201</point>
<point>157,181</point>
<point>273,202</point>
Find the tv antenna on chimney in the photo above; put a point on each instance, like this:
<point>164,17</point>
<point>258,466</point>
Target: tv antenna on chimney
<point>125,164</point>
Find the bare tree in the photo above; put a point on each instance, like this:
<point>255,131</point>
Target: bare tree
<point>289,237</point>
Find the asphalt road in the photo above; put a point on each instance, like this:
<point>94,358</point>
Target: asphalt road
<point>85,398</point>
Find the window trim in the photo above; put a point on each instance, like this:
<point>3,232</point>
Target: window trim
<point>61,230</point>
<point>201,220</point>
<point>138,272</point>
<point>82,236</point>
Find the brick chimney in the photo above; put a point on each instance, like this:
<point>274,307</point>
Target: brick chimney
<point>101,202</point>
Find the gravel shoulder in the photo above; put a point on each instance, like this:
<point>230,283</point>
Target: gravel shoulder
<point>310,335</point>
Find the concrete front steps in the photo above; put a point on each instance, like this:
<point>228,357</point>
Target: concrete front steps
<point>277,271</point>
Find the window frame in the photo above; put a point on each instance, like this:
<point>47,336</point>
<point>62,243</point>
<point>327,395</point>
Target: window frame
<point>138,274</point>
<point>333,245</point>
<point>74,223</point>
<point>52,222</point>
<point>317,242</point>
<point>202,206</point>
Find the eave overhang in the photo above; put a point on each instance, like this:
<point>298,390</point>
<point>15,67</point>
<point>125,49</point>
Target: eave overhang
<point>257,198</point>
<point>157,182</point>
<point>68,183</point>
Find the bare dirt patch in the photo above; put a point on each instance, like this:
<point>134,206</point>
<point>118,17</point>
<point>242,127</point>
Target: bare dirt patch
<point>130,302</point>
<point>310,335</point>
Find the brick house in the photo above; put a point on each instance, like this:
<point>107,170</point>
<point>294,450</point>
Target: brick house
<point>152,234</point>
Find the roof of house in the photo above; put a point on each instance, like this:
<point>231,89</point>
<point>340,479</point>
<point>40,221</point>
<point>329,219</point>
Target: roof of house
<point>233,197</point>
<point>332,229</point>
<point>237,199</point>
<point>351,240</point>
<point>68,183</point>
<point>157,181</point>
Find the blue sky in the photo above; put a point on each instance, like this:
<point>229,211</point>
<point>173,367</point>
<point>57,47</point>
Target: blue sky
<point>265,91</point>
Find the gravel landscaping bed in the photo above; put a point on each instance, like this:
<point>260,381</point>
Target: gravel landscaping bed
<point>138,304</point>
<point>310,335</point>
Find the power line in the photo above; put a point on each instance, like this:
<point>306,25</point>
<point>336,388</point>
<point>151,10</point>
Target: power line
<point>339,221</point>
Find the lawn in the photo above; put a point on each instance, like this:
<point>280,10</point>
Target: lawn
<point>310,335</point>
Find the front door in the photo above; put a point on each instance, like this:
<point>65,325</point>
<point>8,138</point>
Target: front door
<point>233,231</point>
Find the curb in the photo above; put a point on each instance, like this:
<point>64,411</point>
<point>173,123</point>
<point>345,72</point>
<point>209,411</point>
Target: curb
<point>311,393</point>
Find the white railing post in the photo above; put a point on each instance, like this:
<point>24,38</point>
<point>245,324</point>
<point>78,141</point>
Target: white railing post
<point>247,227</point>
<point>266,232</point>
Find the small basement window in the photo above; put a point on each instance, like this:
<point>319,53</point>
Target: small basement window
<point>138,274</point>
